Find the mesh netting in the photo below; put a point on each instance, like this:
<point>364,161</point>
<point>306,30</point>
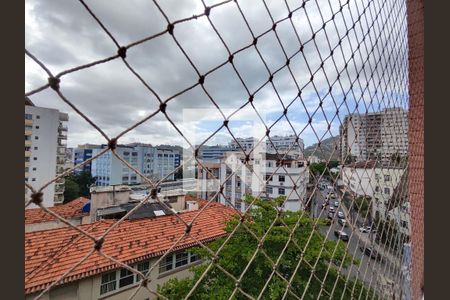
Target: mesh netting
<point>335,74</point>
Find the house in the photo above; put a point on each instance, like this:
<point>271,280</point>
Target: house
<point>38,219</point>
<point>138,243</point>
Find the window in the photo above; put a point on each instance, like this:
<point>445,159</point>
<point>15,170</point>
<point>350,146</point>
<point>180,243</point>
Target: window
<point>268,178</point>
<point>108,282</point>
<point>177,260</point>
<point>269,190</point>
<point>377,189</point>
<point>33,179</point>
<point>159,155</point>
<point>143,268</point>
<point>387,177</point>
<point>34,169</point>
<point>126,278</point>
<point>37,127</point>
<point>181,259</point>
<point>38,116</point>
<point>281,178</point>
<point>27,138</point>
<point>387,191</point>
<point>26,169</point>
<point>281,191</point>
<point>34,158</point>
<point>404,224</point>
<point>126,153</point>
<point>36,137</point>
<point>28,116</point>
<point>166,264</point>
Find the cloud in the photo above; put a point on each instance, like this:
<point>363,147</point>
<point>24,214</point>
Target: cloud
<point>63,35</point>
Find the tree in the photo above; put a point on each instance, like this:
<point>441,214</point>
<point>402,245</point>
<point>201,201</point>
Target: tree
<point>77,185</point>
<point>71,190</point>
<point>238,251</point>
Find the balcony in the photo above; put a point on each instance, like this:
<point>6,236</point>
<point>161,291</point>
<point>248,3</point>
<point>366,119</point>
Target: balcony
<point>27,153</point>
<point>28,143</point>
<point>28,122</point>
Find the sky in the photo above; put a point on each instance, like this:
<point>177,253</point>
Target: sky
<point>63,35</point>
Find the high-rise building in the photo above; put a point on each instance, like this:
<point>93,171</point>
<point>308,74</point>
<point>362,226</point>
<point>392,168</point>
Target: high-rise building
<point>377,135</point>
<point>212,153</point>
<point>45,150</point>
<point>282,144</point>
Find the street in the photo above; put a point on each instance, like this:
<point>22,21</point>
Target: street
<point>369,270</point>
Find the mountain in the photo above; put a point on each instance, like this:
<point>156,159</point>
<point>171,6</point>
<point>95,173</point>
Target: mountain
<point>327,146</point>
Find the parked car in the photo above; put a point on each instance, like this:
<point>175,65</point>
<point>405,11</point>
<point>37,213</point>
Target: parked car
<point>341,235</point>
<point>342,222</point>
<point>332,195</point>
<point>365,229</point>
<point>341,215</point>
<point>330,215</point>
<point>372,253</point>
<point>332,209</point>
<point>336,203</point>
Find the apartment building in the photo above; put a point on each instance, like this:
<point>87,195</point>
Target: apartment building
<point>240,180</point>
<point>377,135</point>
<point>81,154</point>
<point>154,162</point>
<point>379,183</point>
<point>213,153</point>
<point>45,150</point>
<point>132,242</point>
<point>277,143</point>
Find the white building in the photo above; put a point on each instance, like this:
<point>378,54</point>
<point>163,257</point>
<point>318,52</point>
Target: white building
<point>277,143</point>
<point>154,162</point>
<point>45,150</point>
<point>377,135</point>
<point>378,183</point>
<point>241,180</point>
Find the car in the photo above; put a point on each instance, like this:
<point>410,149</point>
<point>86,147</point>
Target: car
<point>365,229</point>
<point>372,253</point>
<point>341,235</point>
<point>332,209</point>
<point>336,203</point>
<point>342,222</point>
<point>332,195</point>
<point>341,215</point>
<point>330,215</point>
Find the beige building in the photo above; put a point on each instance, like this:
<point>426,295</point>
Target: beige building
<point>375,135</point>
<point>138,243</point>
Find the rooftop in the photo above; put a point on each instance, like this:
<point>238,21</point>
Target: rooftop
<point>67,211</point>
<point>50,253</point>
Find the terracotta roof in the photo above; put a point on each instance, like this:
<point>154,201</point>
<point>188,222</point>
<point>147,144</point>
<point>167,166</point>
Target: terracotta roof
<point>50,253</point>
<point>69,210</point>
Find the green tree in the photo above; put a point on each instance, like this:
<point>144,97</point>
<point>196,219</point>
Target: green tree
<point>82,181</point>
<point>71,190</point>
<point>238,251</point>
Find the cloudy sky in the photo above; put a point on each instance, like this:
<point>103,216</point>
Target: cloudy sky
<point>63,35</point>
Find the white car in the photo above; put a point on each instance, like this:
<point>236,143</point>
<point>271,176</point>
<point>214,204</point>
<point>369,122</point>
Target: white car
<point>341,215</point>
<point>365,229</point>
<point>336,203</point>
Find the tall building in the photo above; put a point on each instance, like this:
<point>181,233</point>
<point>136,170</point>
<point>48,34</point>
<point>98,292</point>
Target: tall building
<point>377,135</point>
<point>81,154</point>
<point>45,150</point>
<point>154,162</point>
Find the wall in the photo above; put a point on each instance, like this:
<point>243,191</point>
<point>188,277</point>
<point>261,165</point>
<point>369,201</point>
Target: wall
<point>415,11</point>
<point>89,288</point>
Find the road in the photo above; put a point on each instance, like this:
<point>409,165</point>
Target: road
<point>369,270</point>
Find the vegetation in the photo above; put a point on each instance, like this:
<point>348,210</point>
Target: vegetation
<point>77,185</point>
<point>238,251</point>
